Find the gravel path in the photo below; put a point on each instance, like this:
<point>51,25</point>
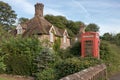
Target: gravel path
<point>14,77</point>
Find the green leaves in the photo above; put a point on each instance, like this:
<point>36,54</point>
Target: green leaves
<point>73,65</point>
<point>19,54</point>
<point>22,20</point>
<point>113,38</point>
<point>92,27</point>
<point>61,22</point>
<point>7,15</point>
<point>2,65</point>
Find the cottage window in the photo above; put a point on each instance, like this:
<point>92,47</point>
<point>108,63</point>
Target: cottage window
<point>51,37</point>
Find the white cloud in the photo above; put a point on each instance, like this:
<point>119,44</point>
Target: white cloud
<point>111,28</point>
<point>52,11</point>
<point>22,5</point>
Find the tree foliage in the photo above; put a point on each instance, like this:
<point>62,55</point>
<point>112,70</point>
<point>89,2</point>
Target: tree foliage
<point>7,15</point>
<point>22,20</point>
<point>92,27</point>
<point>113,38</point>
<point>58,21</point>
<point>107,37</point>
<point>61,22</point>
<point>117,39</point>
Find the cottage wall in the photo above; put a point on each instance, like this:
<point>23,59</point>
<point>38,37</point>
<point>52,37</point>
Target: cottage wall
<point>47,38</point>
<point>43,37</point>
<point>65,45</point>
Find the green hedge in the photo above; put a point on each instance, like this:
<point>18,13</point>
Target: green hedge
<point>72,65</point>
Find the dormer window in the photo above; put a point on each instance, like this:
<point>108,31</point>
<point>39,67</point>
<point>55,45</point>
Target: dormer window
<point>19,29</point>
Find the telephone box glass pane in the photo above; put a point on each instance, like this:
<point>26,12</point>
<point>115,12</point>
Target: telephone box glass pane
<point>88,48</point>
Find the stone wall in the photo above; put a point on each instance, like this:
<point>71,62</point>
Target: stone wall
<point>93,73</point>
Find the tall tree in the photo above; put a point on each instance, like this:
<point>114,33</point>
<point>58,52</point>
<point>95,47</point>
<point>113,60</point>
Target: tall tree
<point>107,36</point>
<point>22,20</point>
<point>7,15</point>
<point>58,21</point>
<point>61,22</point>
<point>92,27</point>
<point>117,37</point>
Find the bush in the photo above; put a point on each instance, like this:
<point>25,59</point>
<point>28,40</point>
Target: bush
<point>47,74</point>
<point>18,64</point>
<point>19,55</point>
<point>105,51</point>
<point>44,60</point>
<point>45,63</point>
<point>56,45</point>
<point>2,65</point>
<point>64,54</point>
<point>72,65</point>
<point>75,49</point>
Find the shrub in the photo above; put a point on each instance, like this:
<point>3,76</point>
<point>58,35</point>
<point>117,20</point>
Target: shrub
<point>44,60</point>
<point>104,51</point>
<point>18,64</point>
<point>56,45</point>
<point>63,54</point>
<point>75,49</point>
<point>2,65</point>
<point>47,74</point>
<point>72,65</point>
<point>19,54</point>
<point>45,63</point>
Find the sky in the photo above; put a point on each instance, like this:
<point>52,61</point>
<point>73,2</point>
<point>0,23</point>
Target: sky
<point>104,13</point>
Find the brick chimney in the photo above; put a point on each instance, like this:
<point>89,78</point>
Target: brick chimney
<point>39,9</point>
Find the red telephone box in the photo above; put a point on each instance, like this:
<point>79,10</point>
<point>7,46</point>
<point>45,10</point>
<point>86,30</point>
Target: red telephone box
<point>90,44</point>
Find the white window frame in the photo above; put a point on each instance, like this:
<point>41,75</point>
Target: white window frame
<point>51,32</point>
<point>65,39</point>
<point>51,37</point>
